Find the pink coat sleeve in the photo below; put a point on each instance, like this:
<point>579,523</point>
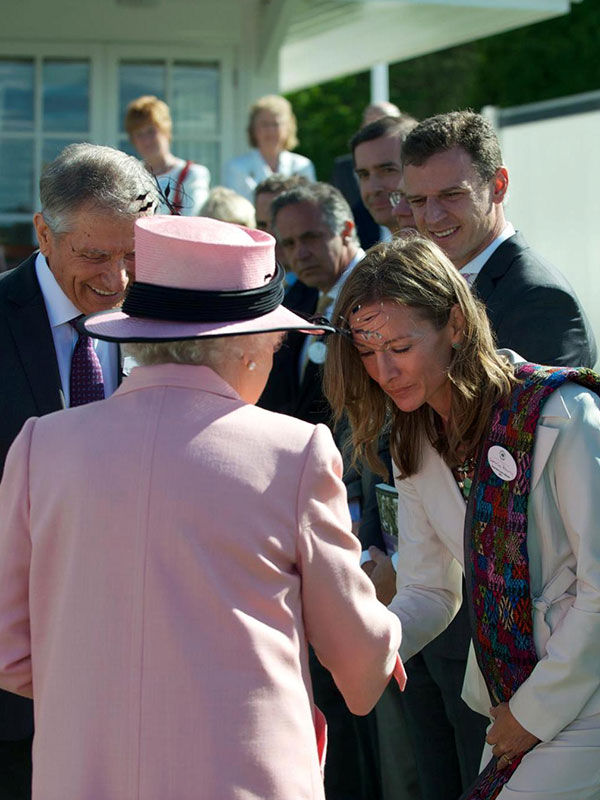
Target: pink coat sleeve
<point>354,635</point>
<point>15,555</point>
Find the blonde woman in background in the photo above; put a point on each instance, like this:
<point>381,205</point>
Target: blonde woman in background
<point>272,134</point>
<point>149,125</point>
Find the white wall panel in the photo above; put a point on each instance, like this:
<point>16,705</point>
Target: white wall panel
<point>554,168</point>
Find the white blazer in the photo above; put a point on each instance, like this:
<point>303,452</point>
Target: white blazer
<point>564,561</point>
<point>244,173</point>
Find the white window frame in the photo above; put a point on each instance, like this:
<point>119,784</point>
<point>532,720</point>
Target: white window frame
<point>221,56</point>
<point>104,62</point>
<point>38,52</point>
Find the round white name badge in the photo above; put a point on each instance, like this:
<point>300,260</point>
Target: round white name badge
<point>502,463</point>
<point>317,352</point>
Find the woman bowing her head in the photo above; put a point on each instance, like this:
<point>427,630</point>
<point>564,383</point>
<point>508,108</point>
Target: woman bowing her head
<point>496,463</point>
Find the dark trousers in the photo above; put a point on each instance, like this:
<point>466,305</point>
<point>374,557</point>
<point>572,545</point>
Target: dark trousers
<point>351,766</point>
<point>370,757</point>
<point>448,737</point>
<point>399,776</point>
<point>15,769</point>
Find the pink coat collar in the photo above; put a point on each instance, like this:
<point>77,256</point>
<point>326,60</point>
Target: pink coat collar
<point>183,375</point>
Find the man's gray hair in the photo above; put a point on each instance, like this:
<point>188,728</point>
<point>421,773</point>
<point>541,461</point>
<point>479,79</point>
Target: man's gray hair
<point>90,175</point>
<point>335,211</point>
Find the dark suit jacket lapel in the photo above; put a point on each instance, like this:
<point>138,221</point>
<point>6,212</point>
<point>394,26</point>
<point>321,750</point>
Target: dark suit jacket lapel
<point>497,265</point>
<point>30,327</point>
<point>304,300</point>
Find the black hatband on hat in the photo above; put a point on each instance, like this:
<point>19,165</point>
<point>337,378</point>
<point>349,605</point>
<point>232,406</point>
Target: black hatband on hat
<point>149,301</point>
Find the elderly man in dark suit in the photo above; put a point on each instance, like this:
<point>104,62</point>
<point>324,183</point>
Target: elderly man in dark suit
<point>455,182</point>
<point>315,230</point>
<point>316,233</point>
<point>90,198</point>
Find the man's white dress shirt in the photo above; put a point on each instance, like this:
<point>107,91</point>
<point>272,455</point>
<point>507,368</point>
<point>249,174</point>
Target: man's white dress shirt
<point>60,311</point>
<point>471,270</point>
<point>332,294</point>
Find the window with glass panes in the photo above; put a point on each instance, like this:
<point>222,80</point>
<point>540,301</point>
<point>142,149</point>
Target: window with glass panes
<point>44,105</point>
<point>192,92</point>
<point>46,102</point>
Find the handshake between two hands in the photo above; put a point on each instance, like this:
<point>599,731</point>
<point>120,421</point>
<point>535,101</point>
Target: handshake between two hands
<point>381,571</point>
<point>507,737</point>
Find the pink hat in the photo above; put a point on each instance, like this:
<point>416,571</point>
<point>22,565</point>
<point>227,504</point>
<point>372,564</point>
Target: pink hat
<point>199,277</point>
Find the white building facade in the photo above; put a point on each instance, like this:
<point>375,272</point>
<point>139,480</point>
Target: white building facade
<point>68,69</point>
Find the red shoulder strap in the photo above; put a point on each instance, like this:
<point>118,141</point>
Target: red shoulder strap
<point>177,194</point>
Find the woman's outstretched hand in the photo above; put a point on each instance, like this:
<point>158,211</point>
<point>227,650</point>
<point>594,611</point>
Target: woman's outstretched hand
<point>507,736</point>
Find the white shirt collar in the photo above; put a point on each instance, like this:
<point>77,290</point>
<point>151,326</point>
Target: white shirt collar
<point>335,289</point>
<point>60,309</point>
<point>476,264</point>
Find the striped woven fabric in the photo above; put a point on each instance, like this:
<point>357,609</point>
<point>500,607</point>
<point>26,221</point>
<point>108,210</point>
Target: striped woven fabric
<point>496,558</point>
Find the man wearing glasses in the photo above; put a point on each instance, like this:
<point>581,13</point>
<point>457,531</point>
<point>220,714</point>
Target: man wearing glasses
<point>376,150</point>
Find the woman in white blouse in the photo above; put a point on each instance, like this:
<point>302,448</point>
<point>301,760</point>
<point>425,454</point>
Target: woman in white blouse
<point>183,184</point>
<point>271,134</point>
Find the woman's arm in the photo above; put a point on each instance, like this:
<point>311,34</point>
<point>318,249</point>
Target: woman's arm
<point>235,176</point>
<point>195,187</point>
<point>428,577</point>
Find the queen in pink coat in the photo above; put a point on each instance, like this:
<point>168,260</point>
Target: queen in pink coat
<point>167,554</point>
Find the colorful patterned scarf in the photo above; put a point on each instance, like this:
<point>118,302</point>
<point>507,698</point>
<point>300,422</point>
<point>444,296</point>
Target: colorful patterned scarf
<point>496,558</point>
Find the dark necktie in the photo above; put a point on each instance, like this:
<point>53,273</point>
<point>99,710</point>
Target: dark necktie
<point>87,381</point>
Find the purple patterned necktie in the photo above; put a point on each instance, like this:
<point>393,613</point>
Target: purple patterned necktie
<point>87,381</point>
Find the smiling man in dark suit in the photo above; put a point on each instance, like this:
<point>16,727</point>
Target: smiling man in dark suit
<point>90,199</point>
<point>455,182</point>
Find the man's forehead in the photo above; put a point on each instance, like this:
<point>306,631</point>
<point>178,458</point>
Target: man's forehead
<point>300,216</point>
<point>100,231</point>
<point>449,167</point>
<point>263,203</point>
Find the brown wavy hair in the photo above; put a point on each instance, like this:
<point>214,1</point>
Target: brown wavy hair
<point>413,271</point>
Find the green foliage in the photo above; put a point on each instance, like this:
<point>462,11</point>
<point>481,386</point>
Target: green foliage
<point>540,62</point>
<point>327,117</point>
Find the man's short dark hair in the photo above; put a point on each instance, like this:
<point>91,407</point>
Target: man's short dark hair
<point>444,132</point>
<point>277,183</point>
<point>399,127</point>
